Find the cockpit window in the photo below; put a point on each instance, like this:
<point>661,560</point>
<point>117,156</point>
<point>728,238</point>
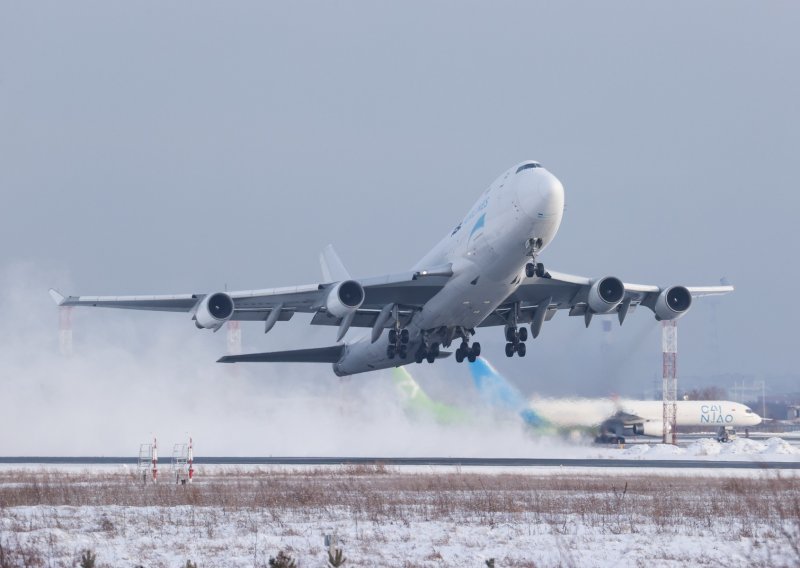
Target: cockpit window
<point>748,411</point>
<point>529,166</point>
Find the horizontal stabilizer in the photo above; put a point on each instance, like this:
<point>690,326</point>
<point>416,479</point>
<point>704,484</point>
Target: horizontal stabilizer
<point>316,355</point>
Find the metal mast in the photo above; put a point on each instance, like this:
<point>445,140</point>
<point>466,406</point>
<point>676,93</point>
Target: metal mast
<point>669,347</point>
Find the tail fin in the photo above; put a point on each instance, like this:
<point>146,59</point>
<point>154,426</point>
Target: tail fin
<point>495,389</point>
<point>417,402</point>
<point>332,268</point>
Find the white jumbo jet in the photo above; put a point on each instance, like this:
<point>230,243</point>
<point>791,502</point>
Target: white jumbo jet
<point>484,272</point>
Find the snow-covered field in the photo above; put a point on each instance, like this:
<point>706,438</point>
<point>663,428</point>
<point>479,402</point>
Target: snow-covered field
<point>402,517</point>
<point>739,449</point>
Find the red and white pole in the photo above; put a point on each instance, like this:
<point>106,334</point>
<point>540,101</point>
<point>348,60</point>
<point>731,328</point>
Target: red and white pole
<point>155,460</point>
<point>190,460</point>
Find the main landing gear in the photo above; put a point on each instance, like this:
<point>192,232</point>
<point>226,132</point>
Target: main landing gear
<point>516,337</point>
<point>398,343</point>
<point>465,351</point>
<point>428,354</point>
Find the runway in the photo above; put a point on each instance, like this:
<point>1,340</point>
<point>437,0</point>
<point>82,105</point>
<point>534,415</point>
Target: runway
<point>420,461</point>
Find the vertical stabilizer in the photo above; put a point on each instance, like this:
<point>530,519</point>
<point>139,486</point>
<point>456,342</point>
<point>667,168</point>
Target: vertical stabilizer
<point>332,268</point>
<point>497,391</point>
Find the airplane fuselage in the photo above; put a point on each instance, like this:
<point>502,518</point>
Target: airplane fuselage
<point>593,412</point>
<point>488,251</point>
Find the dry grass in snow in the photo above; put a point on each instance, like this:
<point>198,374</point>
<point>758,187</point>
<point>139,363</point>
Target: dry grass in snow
<point>385,517</point>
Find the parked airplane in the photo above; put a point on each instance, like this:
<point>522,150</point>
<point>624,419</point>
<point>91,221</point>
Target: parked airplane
<point>485,272</point>
<point>611,418</point>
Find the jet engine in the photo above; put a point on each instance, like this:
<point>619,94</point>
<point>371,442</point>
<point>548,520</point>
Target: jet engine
<point>214,310</point>
<point>672,303</point>
<point>606,294</point>
<point>344,298</point>
<point>651,428</point>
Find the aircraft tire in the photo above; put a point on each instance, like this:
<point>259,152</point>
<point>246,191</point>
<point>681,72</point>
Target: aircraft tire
<point>472,357</point>
<point>476,349</point>
<point>521,349</point>
<point>523,334</point>
<point>530,270</point>
<point>509,349</point>
<point>540,271</point>
<point>459,355</point>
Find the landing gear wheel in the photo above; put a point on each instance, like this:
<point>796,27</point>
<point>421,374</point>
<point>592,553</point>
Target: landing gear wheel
<point>540,271</point>
<point>392,336</point>
<point>419,358</point>
<point>459,355</point>
<point>530,270</point>
<point>510,349</point>
<point>523,334</point>
<point>402,351</point>
<point>431,357</point>
<point>472,357</point>
<point>511,335</point>
<point>404,336</point>
<point>521,349</point>
<point>476,350</point>
<point>390,352</point>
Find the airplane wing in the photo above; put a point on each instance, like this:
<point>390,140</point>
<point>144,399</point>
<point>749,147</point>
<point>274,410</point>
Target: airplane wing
<point>407,291</point>
<point>538,299</point>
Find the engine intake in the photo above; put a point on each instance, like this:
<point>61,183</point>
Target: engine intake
<point>650,428</point>
<point>673,303</point>
<point>214,311</point>
<point>346,297</point>
<point>606,294</point>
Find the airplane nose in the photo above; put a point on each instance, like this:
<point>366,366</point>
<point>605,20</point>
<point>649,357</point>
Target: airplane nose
<point>541,196</point>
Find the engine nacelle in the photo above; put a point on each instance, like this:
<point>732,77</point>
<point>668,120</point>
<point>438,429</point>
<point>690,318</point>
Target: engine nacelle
<point>344,298</point>
<point>672,303</point>
<point>651,428</point>
<point>214,311</point>
<point>606,294</point>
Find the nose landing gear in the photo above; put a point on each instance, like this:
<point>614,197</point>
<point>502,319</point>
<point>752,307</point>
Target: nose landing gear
<point>533,268</point>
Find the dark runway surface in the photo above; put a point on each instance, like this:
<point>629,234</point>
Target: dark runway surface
<point>472,462</point>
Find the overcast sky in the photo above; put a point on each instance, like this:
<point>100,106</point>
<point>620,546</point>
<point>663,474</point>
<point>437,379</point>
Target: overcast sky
<point>182,147</point>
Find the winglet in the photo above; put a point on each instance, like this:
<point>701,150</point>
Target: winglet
<point>57,297</point>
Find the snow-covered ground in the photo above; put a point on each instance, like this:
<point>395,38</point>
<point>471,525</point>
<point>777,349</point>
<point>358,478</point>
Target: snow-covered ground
<point>404,517</point>
<point>739,449</point>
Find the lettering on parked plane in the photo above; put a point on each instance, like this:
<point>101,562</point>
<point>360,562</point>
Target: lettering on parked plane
<point>713,414</point>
